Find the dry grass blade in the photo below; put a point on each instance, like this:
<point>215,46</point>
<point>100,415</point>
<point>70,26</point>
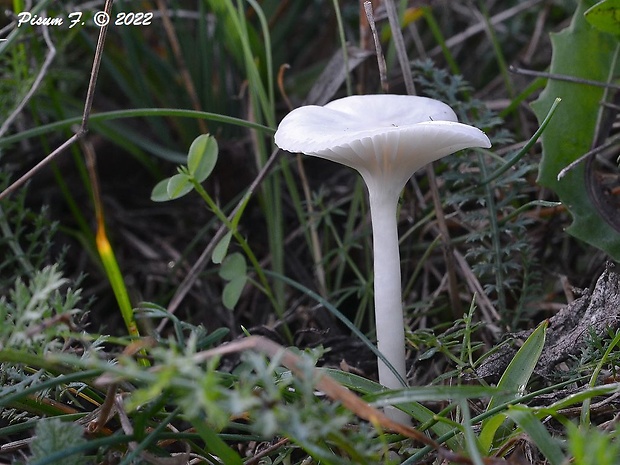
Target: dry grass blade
<point>37,82</point>
<point>379,52</point>
<point>83,129</point>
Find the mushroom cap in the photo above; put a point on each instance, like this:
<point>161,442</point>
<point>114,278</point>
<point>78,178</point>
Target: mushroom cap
<point>385,137</point>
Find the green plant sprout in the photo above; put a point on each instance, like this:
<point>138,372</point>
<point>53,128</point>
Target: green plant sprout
<point>201,159</point>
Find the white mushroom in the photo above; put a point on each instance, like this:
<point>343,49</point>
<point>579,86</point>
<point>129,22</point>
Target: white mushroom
<point>386,138</point>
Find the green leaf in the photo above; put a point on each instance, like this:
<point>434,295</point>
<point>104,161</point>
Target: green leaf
<point>53,435</point>
<point>215,445</point>
<point>528,422</point>
<point>221,249</point>
<point>591,445</point>
<point>514,379</point>
<point>232,33</point>
<point>521,367</point>
<point>178,186</point>
<point>241,209</point>
<point>233,266</point>
<point>605,16</point>
<point>416,410</point>
<point>432,393</point>
<point>233,270</point>
<point>581,396</point>
<point>160,191</point>
<point>202,157</point>
<point>579,51</point>
<point>232,291</point>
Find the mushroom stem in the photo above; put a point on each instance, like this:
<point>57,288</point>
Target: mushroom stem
<point>388,295</point>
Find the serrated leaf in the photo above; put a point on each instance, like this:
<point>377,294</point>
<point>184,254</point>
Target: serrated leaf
<point>202,157</point>
<point>232,291</point>
<point>178,186</point>
<point>53,436</point>
<point>605,16</point>
<point>233,266</point>
<point>221,249</point>
<point>579,51</point>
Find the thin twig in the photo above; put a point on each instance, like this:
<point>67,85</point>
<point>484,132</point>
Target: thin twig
<point>378,50</point>
<point>534,41</point>
<point>484,303</point>
<point>317,256</point>
<point>106,410</point>
<point>37,82</point>
<point>446,246</point>
<point>178,56</point>
<point>601,148</point>
<point>83,129</point>
<point>269,450</point>
<point>563,77</point>
<point>399,45</point>
<point>479,27</point>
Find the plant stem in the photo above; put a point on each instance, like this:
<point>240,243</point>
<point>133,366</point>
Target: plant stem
<point>266,288</point>
<point>388,296</point>
<point>495,237</point>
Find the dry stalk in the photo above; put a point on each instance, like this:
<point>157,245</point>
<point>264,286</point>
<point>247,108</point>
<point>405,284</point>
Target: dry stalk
<point>83,128</point>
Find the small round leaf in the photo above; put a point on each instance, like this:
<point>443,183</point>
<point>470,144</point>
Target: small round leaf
<point>233,266</point>
<point>232,291</point>
<point>178,186</point>
<point>221,249</point>
<point>160,191</point>
<point>202,157</point>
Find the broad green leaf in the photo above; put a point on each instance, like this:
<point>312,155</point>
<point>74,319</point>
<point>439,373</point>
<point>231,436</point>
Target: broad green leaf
<point>521,367</point>
<point>605,16</point>
<point>178,186</point>
<point>579,51</point>
<point>527,421</point>
<point>221,249</point>
<point>232,291</point>
<point>202,157</point>
<point>160,191</point>
<point>234,265</point>
<point>514,379</point>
